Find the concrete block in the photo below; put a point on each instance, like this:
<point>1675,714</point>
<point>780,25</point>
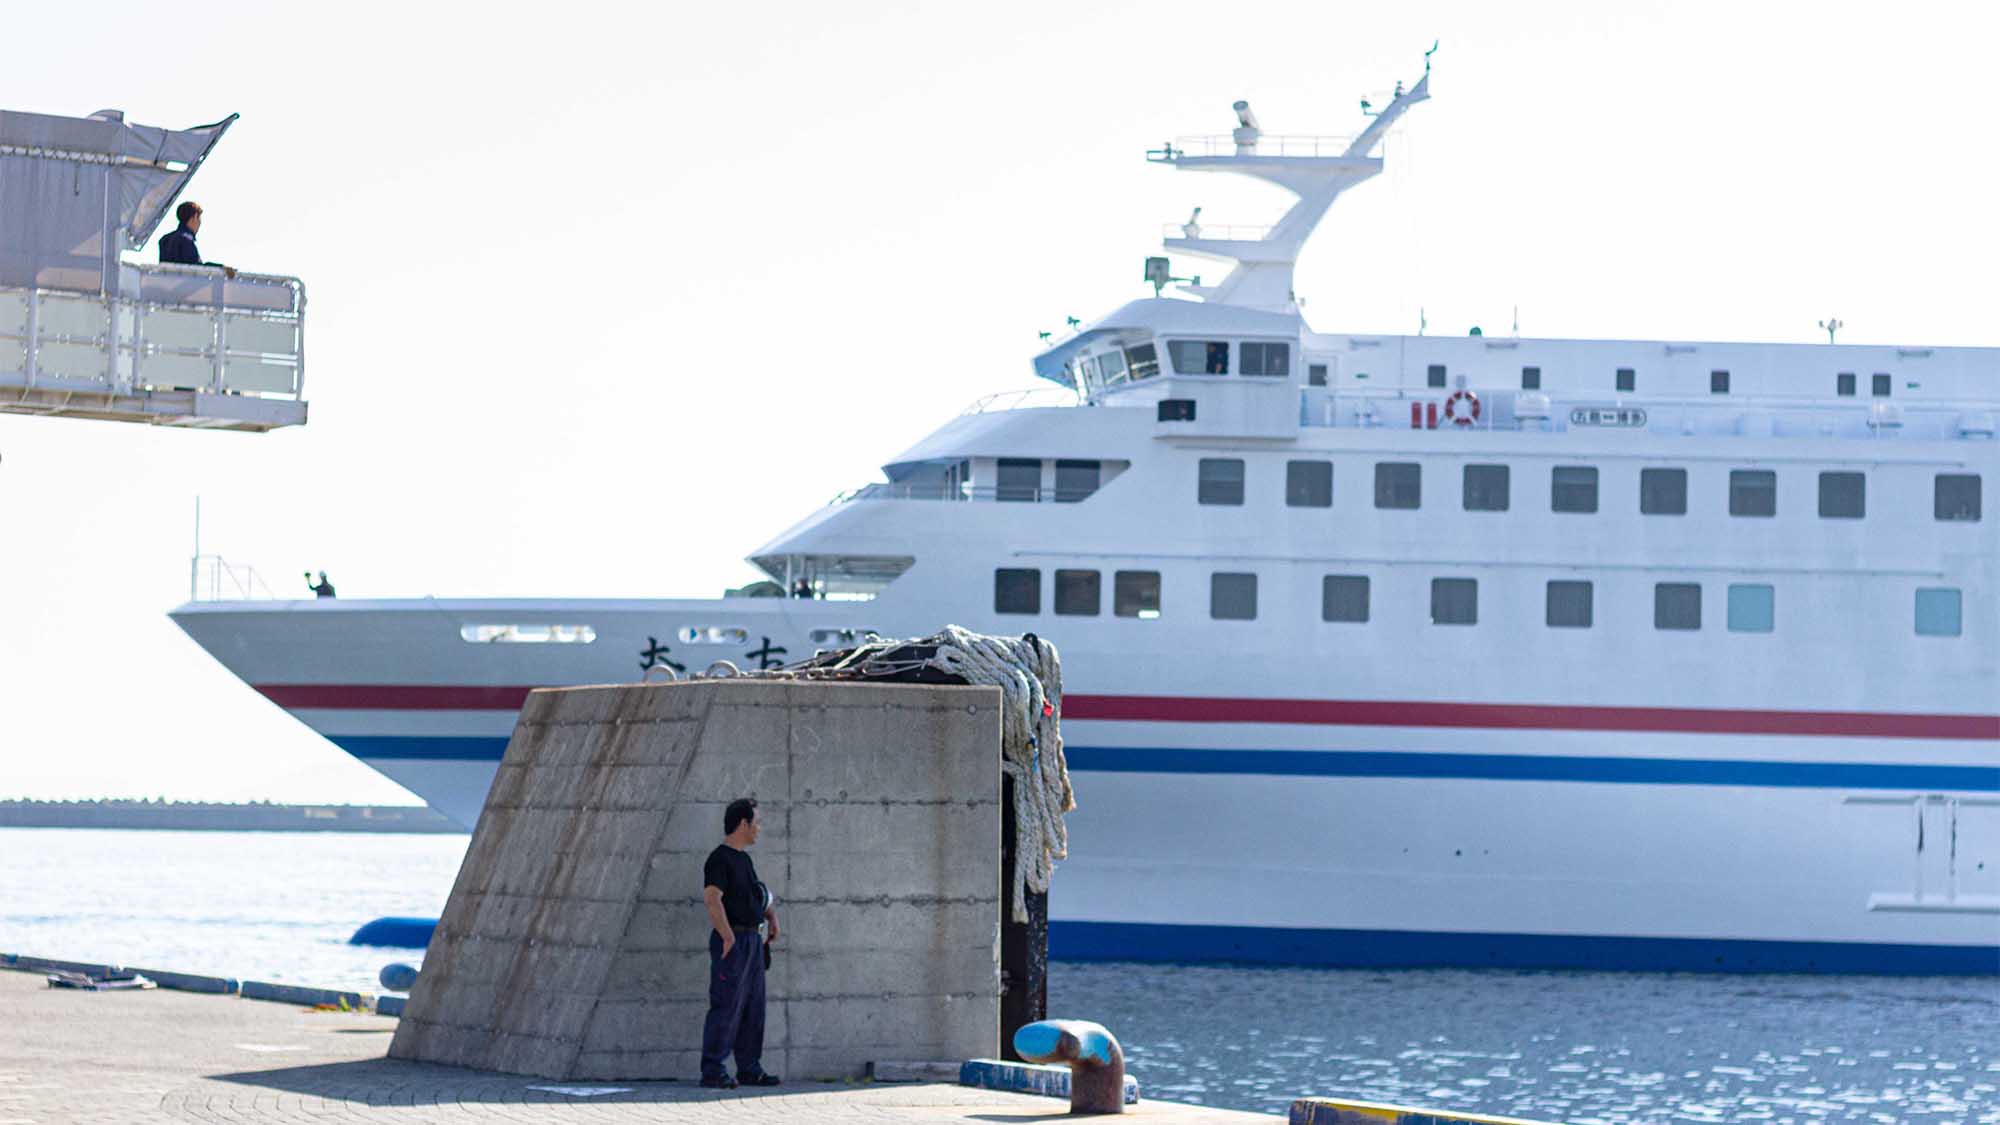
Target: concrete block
<point>189,982</point>
<point>1048,1080</point>
<point>296,994</point>
<point>914,1070</point>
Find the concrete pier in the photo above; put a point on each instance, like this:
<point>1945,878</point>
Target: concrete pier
<point>134,1058</point>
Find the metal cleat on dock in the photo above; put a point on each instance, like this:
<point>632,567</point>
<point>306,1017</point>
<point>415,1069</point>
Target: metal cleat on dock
<point>1096,1061</point>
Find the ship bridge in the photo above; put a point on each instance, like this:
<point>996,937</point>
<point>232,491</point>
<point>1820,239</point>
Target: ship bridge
<point>87,334</point>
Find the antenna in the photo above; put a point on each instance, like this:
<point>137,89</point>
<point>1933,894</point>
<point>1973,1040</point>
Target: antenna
<point>1517,322</point>
<point>1192,228</point>
<point>1423,321</point>
<point>1832,325</point>
<point>1427,57</point>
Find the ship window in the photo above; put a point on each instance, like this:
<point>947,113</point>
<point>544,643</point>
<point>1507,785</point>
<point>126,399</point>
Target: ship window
<point>1199,357</point>
<point>527,634</point>
<point>1879,385</point>
<point>1663,492</point>
<point>1843,383</point>
<point>1267,359</point>
<point>1677,605</point>
<point>1750,608</point>
<point>1753,492</point>
<point>1175,410</point>
<point>1938,611</point>
<point>1343,597</point>
<point>1454,601</point>
<point>1956,497</point>
<point>1136,593</point>
<point>1316,374</point>
<point>1568,605</point>
<point>843,638</point>
<point>1718,382</point>
<point>1627,379</point>
<point>1573,488</point>
<point>1076,480</point>
<point>1843,496</point>
<point>1434,375</point>
<point>1221,481</point>
<point>1531,378</point>
<point>1309,484</point>
<point>1398,484</point>
<point>1232,597</point>
<point>714,635</point>
<point>1077,592</point>
<point>1020,479</point>
<point>1112,364</point>
<point>1017,591</point>
<point>1144,360</point>
<point>1486,488</point>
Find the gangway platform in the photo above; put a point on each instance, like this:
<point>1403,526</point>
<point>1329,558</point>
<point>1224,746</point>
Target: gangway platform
<point>86,334</point>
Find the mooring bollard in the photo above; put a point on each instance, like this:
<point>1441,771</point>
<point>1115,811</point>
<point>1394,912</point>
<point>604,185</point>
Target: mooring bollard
<point>1096,1062</point>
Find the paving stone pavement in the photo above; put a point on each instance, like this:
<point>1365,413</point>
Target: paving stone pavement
<point>161,1056</point>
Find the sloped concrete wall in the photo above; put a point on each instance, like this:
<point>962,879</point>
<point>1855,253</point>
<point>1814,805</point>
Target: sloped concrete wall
<point>575,945</point>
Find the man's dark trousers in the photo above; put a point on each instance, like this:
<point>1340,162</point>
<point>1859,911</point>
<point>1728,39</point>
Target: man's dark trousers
<point>735,1005</point>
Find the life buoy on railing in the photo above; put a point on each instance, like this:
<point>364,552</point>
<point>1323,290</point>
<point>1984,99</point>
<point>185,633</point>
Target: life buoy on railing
<point>1451,408</point>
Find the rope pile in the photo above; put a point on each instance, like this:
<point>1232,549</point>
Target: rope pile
<point>1028,673</point>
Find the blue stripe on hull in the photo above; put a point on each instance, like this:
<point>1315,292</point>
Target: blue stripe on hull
<point>1381,763</point>
<point>1397,949</point>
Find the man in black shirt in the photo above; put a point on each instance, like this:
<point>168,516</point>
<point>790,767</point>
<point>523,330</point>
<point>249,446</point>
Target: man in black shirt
<point>177,246</point>
<point>742,923</point>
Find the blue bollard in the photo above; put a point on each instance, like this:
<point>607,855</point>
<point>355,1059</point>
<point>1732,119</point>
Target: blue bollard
<point>397,977</point>
<point>1096,1061</point>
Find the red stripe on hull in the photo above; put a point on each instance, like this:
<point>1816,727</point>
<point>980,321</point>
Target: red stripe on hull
<point>1307,712</point>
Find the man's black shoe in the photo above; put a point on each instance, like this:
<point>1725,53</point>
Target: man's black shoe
<point>760,1080</point>
<point>719,1082</point>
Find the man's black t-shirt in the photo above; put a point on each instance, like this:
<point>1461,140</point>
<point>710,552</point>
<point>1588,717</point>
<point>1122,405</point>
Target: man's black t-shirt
<point>732,872</point>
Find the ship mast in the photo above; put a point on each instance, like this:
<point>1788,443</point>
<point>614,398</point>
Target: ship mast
<point>1315,169</point>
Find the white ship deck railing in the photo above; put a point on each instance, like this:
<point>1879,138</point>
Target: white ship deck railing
<point>1269,144</point>
<point>938,490</point>
<point>212,578</point>
<point>185,332</point>
<point>1218,232</point>
<point>1035,398</point>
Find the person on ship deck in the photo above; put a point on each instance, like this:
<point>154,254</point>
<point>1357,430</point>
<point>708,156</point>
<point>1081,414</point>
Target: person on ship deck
<point>178,247</point>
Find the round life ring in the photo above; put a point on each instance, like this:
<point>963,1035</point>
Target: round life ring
<point>1471,414</point>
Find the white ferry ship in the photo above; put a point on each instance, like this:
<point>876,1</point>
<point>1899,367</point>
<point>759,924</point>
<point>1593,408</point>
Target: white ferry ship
<point>1381,650</point>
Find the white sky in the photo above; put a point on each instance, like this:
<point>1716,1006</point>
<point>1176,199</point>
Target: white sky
<point>602,297</point>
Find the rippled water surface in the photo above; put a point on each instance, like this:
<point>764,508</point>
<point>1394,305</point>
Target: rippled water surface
<point>1573,1047</point>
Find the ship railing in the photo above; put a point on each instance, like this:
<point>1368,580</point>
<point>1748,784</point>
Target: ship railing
<point>212,578</point>
<point>1037,398</point>
<point>1218,232</point>
<point>168,327</point>
<point>1269,144</point>
<point>946,491</point>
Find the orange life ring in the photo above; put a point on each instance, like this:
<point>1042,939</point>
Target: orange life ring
<point>1472,409</point>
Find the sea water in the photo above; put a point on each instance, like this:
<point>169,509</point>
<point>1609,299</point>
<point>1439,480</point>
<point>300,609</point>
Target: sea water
<point>1573,1047</point>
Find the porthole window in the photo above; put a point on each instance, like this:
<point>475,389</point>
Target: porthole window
<point>527,634</point>
<point>714,635</point>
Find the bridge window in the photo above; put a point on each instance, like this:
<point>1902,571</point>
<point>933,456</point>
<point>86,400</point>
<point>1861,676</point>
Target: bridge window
<point>1531,378</point>
<point>1232,597</point>
<point>1309,484</point>
<point>1267,359</point>
<point>1718,382</point>
<point>1938,611</point>
<point>1843,496</point>
<point>1077,592</point>
<point>1020,479</point>
<point>1112,367</point>
<point>1017,590</point>
<point>1220,482</point>
<point>1677,605</point>
<point>1753,492</point>
<point>1398,484</point>
<point>1956,497</point>
<point>1879,385</point>
<point>1573,488</point>
<point>714,635</point>
<point>1136,593</point>
<point>1626,380</point>
<point>1434,375</point>
<point>1144,361</point>
<point>1843,383</point>
<point>1454,601</point>
<point>1750,608</point>
<point>1076,480</point>
<point>527,634</point>
<point>1486,488</point>
<point>1663,492</point>
<point>1569,605</point>
<point>1344,597</point>
<point>1199,357</point>
<point>1316,374</point>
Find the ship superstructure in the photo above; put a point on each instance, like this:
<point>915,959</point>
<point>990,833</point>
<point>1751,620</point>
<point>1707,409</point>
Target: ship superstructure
<point>1379,649</point>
